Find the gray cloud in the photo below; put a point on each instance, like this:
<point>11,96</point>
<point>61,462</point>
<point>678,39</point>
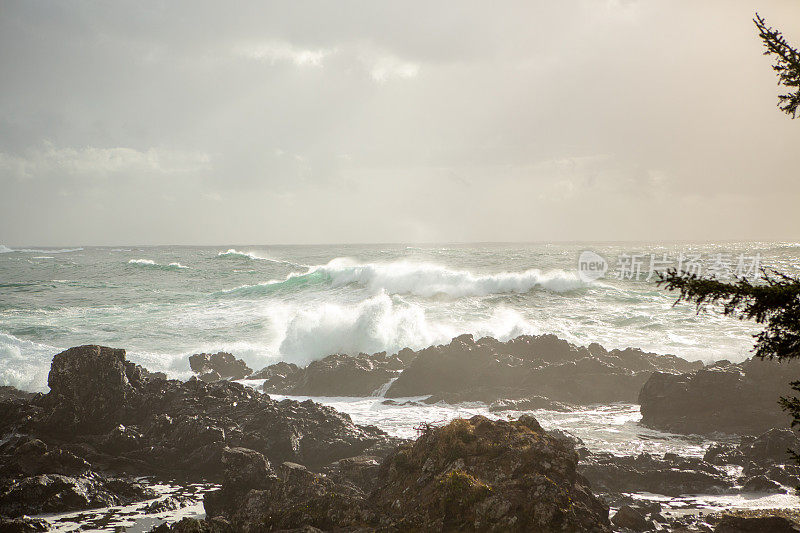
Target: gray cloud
<point>366,121</point>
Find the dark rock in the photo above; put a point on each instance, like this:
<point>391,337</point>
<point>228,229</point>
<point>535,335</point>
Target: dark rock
<point>277,376</point>
<point>165,427</point>
<point>766,524</point>
<point>194,525</point>
<point>485,370</point>
<point>23,524</point>
<point>291,497</point>
<point>51,493</point>
<point>8,392</point>
<point>22,456</point>
<point>482,475</point>
<point>531,403</point>
<point>361,471</point>
<point>530,366</point>
<point>647,473</point>
<point>221,365</point>
<point>629,518</point>
<point>210,376</point>
<point>765,450</point>
<point>170,503</point>
<point>335,375</point>
<point>771,447</point>
<point>762,484</point>
<point>90,387</point>
<point>475,475</point>
<point>741,398</point>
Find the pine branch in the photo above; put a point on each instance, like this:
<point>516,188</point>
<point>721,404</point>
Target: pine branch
<point>787,65</point>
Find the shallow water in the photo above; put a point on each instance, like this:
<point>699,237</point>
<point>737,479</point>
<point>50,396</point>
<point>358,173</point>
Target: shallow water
<point>132,518</point>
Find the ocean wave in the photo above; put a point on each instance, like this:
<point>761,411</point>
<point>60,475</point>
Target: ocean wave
<point>423,279</point>
<point>419,279</point>
<point>5,249</point>
<point>24,364</point>
<point>380,323</point>
<point>149,263</point>
<point>236,254</point>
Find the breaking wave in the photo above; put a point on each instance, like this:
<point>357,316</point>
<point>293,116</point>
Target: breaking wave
<point>419,279</point>
<point>24,364</point>
<point>380,323</point>
<point>149,263</point>
<point>231,253</point>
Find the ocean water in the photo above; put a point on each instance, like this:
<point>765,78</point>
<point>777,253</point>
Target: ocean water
<point>300,303</point>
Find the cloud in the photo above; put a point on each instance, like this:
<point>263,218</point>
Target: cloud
<point>94,162</point>
<point>277,52</point>
<point>388,67</point>
<point>548,110</point>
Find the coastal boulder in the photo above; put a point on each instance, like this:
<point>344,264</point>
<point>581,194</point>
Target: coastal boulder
<point>221,365</point>
<point>531,366</point>
<point>52,493</point>
<point>727,398</point>
<point>334,375</point>
<point>469,475</point>
<point>483,475</point>
<point>91,387</point>
<point>669,475</point>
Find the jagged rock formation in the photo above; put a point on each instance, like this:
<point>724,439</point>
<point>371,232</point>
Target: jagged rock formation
<point>760,524</point>
<point>481,475</point>
<point>470,475</point>
<point>221,365</point>
<point>724,397</point>
<point>7,392</point>
<point>485,370</point>
<point>335,375</point>
<point>765,459</point>
<point>106,414</point>
<point>532,365</point>
<point>766,468</point>
<point>670,475</point>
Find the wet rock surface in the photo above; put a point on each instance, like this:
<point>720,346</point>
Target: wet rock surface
<point>765,524</point>
<point>478,474</point>
<point>105,418</point>
<point>669,475</point>
<point>471,475</point>
<point>52,493</point>
<point>531,366</point>
<point>724,397</point>
<point>486,370</point>
<point>221,365</point>
<point>23,525</point>
<point>759,464</point>
<point>8,392</point>
<point>335,375</point>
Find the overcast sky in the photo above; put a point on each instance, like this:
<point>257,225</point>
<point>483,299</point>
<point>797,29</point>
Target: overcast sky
<point>332,122</point>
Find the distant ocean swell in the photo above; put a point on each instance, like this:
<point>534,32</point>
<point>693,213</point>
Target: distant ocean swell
<point>149,263</point>
<point>5,250</point>
<point>419,279</point>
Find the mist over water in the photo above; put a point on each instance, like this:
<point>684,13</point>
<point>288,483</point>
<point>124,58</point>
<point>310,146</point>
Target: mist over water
<point>300,303</point>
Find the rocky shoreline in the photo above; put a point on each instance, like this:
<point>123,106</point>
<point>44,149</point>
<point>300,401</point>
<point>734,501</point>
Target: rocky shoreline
<point>109,431</point>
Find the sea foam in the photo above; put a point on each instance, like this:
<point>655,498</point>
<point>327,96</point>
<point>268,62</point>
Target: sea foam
<point>418,279</point>
<point>149,263</point>
<point>236,254</point>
